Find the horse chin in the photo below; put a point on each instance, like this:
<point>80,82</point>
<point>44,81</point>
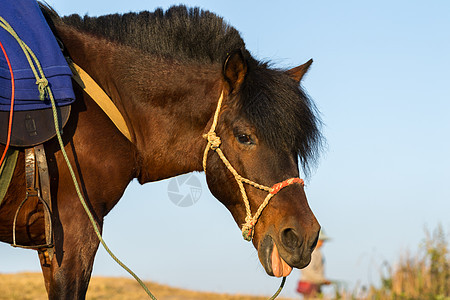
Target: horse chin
<point>273,262</point>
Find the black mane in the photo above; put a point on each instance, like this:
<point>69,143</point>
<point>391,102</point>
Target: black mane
<point>282,113</point>
<point>180,32</point>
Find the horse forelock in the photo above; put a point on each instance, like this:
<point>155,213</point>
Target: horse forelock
<point>282,113</point>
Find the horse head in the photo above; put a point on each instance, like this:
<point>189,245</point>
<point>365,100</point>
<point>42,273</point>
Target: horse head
<point>263,127</point>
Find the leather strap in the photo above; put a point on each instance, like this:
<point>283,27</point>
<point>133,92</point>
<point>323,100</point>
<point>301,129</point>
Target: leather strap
<point>30,171</point>
<point>44,180</point>
<point>37,179</point>
<point>100,97</point>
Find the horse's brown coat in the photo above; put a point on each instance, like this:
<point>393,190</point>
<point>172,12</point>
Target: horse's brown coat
<point>168,105</point>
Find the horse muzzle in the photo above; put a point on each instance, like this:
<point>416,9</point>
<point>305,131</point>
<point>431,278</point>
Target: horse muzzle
<point>279,255</point>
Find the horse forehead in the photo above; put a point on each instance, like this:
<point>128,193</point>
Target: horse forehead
<point>270,87</point>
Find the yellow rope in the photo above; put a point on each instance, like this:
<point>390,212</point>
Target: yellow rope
<point>214,144</point>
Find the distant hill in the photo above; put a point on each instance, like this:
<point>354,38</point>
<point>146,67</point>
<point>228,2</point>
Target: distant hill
<point>30,286</point>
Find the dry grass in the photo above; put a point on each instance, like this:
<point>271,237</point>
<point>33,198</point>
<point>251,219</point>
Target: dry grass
<point>24,286</point>
<point>30,286</point>
<point>423,276</point>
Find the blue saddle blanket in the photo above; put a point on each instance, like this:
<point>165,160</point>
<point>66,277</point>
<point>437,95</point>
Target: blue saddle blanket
<point>27,20</point>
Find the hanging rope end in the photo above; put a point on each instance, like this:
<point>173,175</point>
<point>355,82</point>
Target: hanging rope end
<point>42,84</point>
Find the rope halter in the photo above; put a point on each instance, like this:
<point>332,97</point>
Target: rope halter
<point>214,144</point>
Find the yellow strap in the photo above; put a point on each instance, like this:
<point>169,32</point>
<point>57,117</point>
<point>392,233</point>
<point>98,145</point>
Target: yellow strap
<point>100,97</point>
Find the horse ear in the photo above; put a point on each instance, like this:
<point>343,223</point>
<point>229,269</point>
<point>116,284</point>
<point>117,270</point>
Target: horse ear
<point>235,69</point>
<point>297,73</point>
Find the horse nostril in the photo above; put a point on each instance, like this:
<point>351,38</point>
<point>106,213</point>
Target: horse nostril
<point>314,244</point>
<point>290,239</point>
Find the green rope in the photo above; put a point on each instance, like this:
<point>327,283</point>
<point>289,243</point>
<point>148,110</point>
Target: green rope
<point>41,82</point>
<point>43,87</point>
<point>279,289</point>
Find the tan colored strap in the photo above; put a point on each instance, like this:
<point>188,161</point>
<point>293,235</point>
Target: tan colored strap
<point>100,97</point>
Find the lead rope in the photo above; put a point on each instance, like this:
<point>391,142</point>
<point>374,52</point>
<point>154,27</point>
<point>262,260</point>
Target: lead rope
<point>250,221</point>
<point>43,87</point>
<point>213,143</point>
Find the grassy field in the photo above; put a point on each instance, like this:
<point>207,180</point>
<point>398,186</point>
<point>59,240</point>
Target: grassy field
<point>423,276</point>
<point>30,286</point>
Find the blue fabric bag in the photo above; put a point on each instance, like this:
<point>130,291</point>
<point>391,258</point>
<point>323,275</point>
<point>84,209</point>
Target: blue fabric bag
<point>26,18</point>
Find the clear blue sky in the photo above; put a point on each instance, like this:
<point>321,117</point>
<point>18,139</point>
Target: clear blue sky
<point>381,80</point>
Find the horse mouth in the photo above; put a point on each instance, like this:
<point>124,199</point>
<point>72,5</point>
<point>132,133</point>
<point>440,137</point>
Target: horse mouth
<point>271,259</point>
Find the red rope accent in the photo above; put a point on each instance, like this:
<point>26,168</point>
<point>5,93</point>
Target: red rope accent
<point>12,104</point>
<point>278,186</point>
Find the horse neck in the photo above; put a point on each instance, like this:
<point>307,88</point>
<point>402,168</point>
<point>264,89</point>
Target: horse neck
<point>166,104</point>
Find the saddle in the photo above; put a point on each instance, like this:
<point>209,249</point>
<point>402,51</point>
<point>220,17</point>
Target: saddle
<point>22,28</point>
<point>31,127</point>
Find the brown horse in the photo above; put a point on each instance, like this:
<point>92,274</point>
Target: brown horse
<point>165,72</point>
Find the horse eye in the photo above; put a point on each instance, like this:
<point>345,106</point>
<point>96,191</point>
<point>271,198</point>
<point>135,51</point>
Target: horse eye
<point>244,139</point>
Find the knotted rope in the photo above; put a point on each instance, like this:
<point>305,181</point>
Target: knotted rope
<point>42,84</point>
<point>41,81</point>
<point>214,144</point>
